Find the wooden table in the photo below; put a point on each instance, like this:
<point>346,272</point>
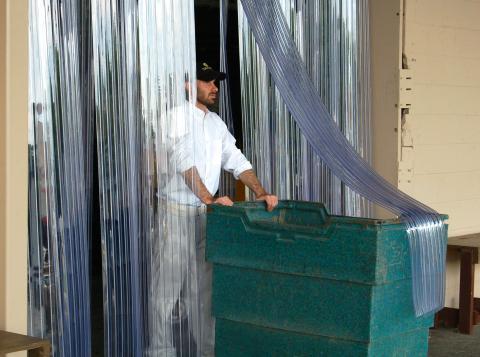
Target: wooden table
<point>14,342</point>
<point>468,247</point>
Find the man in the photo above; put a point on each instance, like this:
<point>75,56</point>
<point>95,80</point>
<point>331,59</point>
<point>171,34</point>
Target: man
<point>199,146</point>
<point>226,156</point>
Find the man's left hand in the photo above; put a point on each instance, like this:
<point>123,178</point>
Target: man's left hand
<point>270,200</point>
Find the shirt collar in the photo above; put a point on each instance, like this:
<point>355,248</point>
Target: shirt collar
<point>200,113</point>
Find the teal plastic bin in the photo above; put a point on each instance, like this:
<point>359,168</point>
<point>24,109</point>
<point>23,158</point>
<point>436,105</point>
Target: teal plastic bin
<point>311,282</point>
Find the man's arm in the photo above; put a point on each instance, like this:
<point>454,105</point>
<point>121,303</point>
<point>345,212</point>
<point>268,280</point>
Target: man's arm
<point>249,178</point>
<point>235,162</point>
<point>194,183</point>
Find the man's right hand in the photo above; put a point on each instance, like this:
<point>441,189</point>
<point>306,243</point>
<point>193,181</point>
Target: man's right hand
<point>224,201</point>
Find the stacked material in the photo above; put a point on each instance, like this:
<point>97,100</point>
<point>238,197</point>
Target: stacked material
<point>299,281</point>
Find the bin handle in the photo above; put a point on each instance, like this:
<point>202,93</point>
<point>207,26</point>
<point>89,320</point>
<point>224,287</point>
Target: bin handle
<point>287,234</point>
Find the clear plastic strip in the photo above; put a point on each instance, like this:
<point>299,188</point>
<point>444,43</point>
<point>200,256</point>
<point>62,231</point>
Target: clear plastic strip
<point>227,181</point>
<point>331,38</point>
<point>152,227</point>
<point>426,230</point>
<point>59,207</point>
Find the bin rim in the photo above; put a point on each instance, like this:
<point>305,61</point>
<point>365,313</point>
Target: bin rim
<point>242,206</point>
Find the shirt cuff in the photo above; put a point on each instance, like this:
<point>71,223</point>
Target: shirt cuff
<point>243,167</point>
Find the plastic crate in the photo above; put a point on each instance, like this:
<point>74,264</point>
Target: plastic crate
<point>238,339</point>
<point>301,271</point>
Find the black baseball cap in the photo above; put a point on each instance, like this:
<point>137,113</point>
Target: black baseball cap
<point>207,73</point>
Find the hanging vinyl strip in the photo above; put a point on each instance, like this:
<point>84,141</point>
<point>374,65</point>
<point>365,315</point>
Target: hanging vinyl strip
<point>59,207</point>
<point>171,216</point>
<point>425,228</point>
<point>227,181</point>
<point>152,223</point>
<point>331,37</point>
<point>116,107</point>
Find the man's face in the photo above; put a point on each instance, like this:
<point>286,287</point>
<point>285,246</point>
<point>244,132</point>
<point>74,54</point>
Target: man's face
<point>206,92</point>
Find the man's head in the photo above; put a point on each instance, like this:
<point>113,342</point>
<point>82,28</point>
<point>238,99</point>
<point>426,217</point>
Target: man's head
<point>206,88</point>
<point>206,73</point>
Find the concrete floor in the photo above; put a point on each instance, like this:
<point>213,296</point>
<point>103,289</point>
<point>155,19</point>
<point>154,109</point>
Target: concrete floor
<point>448,342</point>
<point>443,343</point>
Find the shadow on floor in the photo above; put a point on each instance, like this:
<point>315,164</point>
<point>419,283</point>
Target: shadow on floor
<point>449,342</point>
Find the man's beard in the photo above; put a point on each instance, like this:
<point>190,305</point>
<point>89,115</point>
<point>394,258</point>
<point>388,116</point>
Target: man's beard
<point>207,102</point>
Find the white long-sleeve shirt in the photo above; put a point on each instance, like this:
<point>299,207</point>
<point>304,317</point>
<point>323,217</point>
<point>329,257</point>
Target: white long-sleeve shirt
<point>202,140</point>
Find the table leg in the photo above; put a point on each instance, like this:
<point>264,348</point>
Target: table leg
<point>467,275</point>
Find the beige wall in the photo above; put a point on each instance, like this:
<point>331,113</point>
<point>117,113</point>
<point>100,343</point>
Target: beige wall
<point>13,164</point>
<point>442,47</point>
<point>442,44</point>
<point>434,152</point>
<point>3,30</point>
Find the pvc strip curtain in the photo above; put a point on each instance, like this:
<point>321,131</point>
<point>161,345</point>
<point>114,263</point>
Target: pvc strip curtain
<point>227,181</point>
<point>425,228</point>
<point>144,69</point>
<point>59,294</point>
<point>116,91</point>
<point>332,38</point>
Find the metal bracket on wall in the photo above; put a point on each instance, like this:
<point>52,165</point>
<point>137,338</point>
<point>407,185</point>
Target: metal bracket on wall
<point>405,97</point>
<point>406,160</point>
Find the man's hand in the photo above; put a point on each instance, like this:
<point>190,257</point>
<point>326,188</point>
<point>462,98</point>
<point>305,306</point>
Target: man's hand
<point>249,178</point>
<point>270,200</point>
<point>224,201</point>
